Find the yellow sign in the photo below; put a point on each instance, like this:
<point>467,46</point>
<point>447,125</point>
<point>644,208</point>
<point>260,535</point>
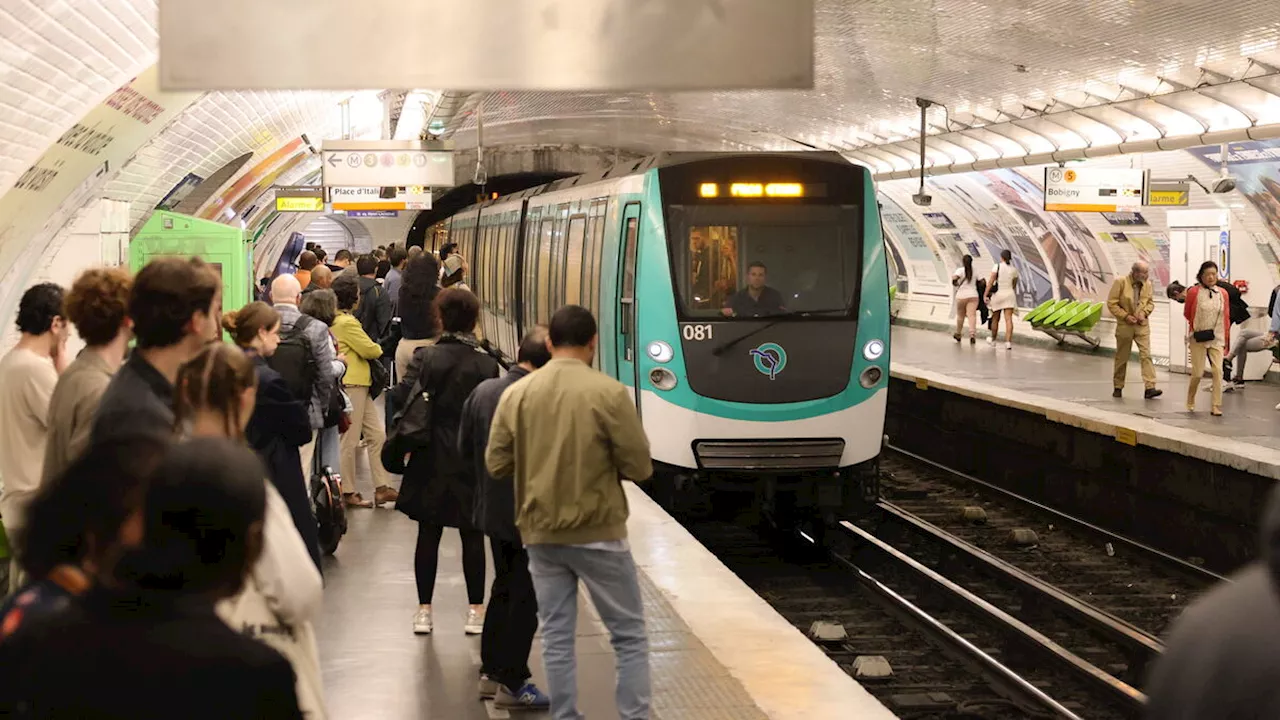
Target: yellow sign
<point>1168,198</point>
<point>1126,436</point>
<point>299,204</point>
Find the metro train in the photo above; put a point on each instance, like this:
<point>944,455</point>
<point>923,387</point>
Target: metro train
<point>742,297</point>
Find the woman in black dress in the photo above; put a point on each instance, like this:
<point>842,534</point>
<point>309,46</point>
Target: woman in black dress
<point>438,486</point>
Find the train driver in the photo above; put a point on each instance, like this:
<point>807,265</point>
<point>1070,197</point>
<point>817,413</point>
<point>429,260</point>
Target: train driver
<point>756,299</point>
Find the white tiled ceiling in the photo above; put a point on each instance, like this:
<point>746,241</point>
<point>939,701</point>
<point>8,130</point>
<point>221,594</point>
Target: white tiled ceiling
<point>58,58</point>
<point>977,57</point>
<point>217,128</point>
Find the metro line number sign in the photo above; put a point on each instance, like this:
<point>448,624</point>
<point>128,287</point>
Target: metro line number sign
<point>1093,189</point>
<point>385,164</point>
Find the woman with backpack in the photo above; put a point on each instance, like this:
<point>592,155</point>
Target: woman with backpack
<point>439,487</point>
<point>279,424</point>
<point>214,397</point>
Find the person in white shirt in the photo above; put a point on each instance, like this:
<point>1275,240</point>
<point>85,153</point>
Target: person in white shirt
<point>28,374</point>
<point>281,597</point>
<point>1001,297</point>
<point>965,282</point>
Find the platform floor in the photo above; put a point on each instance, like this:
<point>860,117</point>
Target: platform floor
<point>375,668</point>
<point>1249,415</point>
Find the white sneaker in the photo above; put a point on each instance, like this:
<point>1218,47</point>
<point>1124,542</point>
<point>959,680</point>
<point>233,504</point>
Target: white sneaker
<point>991,340</point>
<point>1278,406</point>
<point>422,622</point>
<point>475,622</point>
<point>1008,346</point>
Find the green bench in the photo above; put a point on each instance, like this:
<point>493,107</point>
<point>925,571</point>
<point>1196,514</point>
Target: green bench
<point>1061,319</point>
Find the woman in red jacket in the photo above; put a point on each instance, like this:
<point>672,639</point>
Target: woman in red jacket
<point>1209,325</point>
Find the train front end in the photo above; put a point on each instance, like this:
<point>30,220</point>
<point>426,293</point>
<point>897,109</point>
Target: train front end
<point>773,358</point>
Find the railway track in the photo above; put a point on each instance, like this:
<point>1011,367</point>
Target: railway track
<point>1131,581</point>
<point>1036,614</point>
<point>806,585</point>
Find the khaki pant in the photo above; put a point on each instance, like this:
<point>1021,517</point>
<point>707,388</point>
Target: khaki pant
<point>404,354</point>
<point>1198,353</point>
<point>365,419</point>
<point>307,453</point>
<point>1126,337</point>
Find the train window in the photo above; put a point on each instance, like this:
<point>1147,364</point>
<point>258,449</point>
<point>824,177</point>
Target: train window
<point>573,261</point>
<point>597,251</point>
<point>713,266</point>
<point>544,271</point>
<point>528,288</point>
<point>504,234</point>
<point>479,278</point>
<point>742,262</point>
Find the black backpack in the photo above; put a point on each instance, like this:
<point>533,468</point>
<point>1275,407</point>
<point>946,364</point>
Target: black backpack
<point>295,361</point>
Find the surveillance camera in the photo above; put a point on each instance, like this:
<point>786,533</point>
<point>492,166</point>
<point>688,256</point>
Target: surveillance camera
<point>922,199</point>
<point>1224,185</point>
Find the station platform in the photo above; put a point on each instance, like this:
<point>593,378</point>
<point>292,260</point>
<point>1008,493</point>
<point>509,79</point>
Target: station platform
<point>717,651</point>
<point>1074,388</point>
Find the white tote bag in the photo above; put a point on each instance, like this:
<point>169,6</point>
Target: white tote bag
<point>249,614</point>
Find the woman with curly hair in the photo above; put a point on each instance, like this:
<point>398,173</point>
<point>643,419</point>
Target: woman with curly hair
<point>419,325</point>
<point>98,307</point>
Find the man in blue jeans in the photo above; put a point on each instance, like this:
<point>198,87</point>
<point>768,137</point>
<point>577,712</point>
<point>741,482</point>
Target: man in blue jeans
<point>568,434</point>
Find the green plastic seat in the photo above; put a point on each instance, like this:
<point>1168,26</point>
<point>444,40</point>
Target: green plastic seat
<point>1058,314</point>
<point>1069,312</point>
<point>893,290</point>
<point>1083,314</point>
<point>1035,314</point>
<point>1079,312</point>
<point>1044,312</point>
<point>1091,319</point>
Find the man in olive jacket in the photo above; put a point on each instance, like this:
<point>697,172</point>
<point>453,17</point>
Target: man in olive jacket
<point>569,434</point>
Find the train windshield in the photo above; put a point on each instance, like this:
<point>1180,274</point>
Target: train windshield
<point>735,262</point>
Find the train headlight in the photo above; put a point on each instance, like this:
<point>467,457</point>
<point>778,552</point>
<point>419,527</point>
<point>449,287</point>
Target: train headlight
<point>662,378</point>
<point>660,351</point>
<point>873,349</point>
<point>871,377</point>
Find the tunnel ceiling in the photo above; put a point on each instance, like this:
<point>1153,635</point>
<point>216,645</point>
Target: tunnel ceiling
<point>996,66</point>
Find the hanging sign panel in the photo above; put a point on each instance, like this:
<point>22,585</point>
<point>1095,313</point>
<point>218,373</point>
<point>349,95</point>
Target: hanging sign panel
<point>373,198</point>
<point>385,163</point>
<point>487,44</point>
<point>1093,189</point>
<point>1168,193</point>
<point>299,198</point>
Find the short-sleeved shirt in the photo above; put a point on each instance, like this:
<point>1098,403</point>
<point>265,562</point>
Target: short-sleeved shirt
<point>27,380</point>
<point>743,305</point>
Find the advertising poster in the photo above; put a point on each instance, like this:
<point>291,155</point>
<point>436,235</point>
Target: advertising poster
<point>1126,248</point>
<point>999,230</point>
<point>179,192</point>
<point>74,168</point>
<point>929,274</point>
<point>1255,165</point>
<point>234,197</point>
<point>1072,251</point>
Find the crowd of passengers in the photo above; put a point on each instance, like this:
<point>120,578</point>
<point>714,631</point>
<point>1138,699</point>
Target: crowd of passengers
<point>166,552</point>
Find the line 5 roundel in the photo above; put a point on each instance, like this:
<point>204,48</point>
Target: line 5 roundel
<point>770,359</point>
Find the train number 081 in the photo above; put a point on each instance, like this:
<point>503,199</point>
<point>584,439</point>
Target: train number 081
<point>696,332</point>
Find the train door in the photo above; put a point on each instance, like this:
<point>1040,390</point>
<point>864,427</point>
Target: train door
<point>627,326</point>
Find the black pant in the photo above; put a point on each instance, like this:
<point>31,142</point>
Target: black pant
<point>428,551</point>
<point>512,618</point>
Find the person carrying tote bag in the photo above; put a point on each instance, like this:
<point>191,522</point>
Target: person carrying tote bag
<point>1208,332</point>
<point>215,394</point>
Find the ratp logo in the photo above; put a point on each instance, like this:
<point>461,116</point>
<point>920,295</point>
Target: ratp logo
<point>770,359</point>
